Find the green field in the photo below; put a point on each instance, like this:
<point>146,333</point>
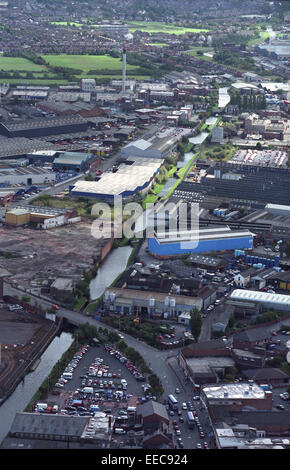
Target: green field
<point>86,62</point>
<point>263,36</point>
<point>193,52</point>
<point>16,64</point>
<point>146,26</point>
<point>32,81</point>
<point>66,23</point>
<point>157,27</point>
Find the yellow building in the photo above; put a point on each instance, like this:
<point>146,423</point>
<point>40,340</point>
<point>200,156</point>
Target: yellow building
<point>17,217</point>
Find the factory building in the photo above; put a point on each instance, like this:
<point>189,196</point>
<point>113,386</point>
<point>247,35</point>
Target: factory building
<point>167,244</point>
<point>149,304</point>
<point>17,217</point>
<point>243,181</point>
<point>41,217</point>
<point>126,182</point>
<point>72,161</point>
<point>279,302</point>
<point>278,209</point>
<point>237,396</point>
<point>141,148</point>
<point>26,176</point>
<point>43,126</point>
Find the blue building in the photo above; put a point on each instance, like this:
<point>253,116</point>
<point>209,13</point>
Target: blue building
<point>205,240</point>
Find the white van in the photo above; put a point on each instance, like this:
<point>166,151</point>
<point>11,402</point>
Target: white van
<point>41,406</point>
<point>67,375</point>
<point>100,373</point>
<point>120,431</point>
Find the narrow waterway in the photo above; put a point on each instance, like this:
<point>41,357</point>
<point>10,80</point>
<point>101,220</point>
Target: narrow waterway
<point>198,139</point>
<point>114,264</point>
<point>32,381</point>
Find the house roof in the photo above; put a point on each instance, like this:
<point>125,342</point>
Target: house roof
<point>48,424</point>
<point>213,344</point>
<point>152,407</point>
<point>250,335</point>
<point>267,373</point>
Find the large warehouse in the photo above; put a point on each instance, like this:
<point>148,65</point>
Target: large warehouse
<point>26,176</point>
<point>141,148</point>
<point>76,161</point>
<point>43,126</point>
<point>151,304</point>
<point>126,182</point>
<point>204,240</point>
<point>278,302</point>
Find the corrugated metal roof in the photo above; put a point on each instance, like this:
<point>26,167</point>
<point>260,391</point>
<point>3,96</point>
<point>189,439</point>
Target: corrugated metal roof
<point>279,299</point>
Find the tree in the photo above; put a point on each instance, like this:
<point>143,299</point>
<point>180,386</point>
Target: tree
<point>195,323</point>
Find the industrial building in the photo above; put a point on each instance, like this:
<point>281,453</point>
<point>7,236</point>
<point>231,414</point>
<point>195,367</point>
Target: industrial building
<point>278,302</point>
<point>75,161</point>
<point>41,217</point>
<point>149,304</point>
<point>43,430</point>
<point>26,176</point>
<point>43,126</point>
<point>236,396</point>
<point>168,244</point>
<point>141,148</point>
<point>19,146</point>
<point>17,217</point>
<point>126,182</point>
<point>244,182</point>
<point>278,209</point>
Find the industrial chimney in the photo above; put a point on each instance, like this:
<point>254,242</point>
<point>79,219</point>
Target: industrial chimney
<point>124,72</point>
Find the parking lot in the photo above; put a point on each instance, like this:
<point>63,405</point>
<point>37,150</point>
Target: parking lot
<point>99,382</point>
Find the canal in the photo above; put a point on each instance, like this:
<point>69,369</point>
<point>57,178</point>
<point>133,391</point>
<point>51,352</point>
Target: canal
<point>114,264</point>
<point>32,381</point>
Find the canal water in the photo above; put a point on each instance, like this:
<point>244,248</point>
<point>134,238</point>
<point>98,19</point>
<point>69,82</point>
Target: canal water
<point>114,264</point>
<point>198,139</point>
<point>32,381</point>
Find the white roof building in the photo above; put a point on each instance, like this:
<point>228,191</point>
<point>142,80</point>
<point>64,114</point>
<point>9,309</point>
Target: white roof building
<point>128,180</point>
<point>276,301</point>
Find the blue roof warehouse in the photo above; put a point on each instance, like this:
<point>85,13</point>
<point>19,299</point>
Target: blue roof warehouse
<point>170,244</point>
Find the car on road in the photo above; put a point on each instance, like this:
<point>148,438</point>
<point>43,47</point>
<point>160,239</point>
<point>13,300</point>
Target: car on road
<point>280,407</point>
<point>177,390</point>
<point>198,446</point>
<point>180,443</point>
<point>184,406</point>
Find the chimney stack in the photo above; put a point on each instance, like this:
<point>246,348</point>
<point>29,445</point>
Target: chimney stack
<point>124,72</point>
